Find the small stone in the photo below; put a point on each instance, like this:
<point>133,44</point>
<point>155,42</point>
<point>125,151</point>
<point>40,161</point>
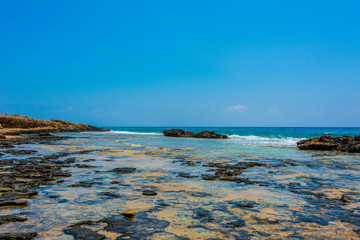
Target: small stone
<point>128,213</point>
<point>149,193</point>
<point>124,170</point>
<point>345,198</point>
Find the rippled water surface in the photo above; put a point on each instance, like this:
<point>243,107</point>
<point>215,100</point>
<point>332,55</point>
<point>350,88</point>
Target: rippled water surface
<point>256,185</point>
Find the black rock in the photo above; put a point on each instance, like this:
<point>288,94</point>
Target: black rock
<point>149,193</point>
<point>327,143</point>
<point>11,218</point>
<point>177,133</point>
<point>18,236</point>
<point>113,195</point>
<point>83,233</point>
<point>204,134</point>
<point>210,134</point>
<point>124,170</point>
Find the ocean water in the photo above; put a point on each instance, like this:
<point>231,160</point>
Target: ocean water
<point>255,185</point>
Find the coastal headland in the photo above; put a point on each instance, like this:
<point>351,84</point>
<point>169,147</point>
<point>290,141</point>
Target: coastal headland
<point>13,125</point>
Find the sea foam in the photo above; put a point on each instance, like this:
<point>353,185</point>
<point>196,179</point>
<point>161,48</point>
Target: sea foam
<point>266,141</point>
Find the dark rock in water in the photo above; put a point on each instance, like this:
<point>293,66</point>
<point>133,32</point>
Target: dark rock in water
<point>210,134</point>
<point>201,213</point>
<point>124,170</point>
<point>18,203</point>
<point>209,177</point>
<point>327,143</point>
<point>204,134</point>
<point>18,236</point>
<point>141,227</point>
<point>238,223</point>
<point>83,233</point>
<point>85,184</point>
<point>344,198</point>
<point>10,218</point>
<point>149,193</point>
<point>45,134</point>
<point>186,175</point>
<point>128,213</point>
<point>84,166</point>
<point>113,195</point>
<point>245,204</point>
<point>200,194</point>
<point>177,133</point>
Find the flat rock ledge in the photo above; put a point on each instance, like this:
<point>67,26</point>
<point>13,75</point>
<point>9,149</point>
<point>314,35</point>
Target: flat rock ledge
<point>204,134</point>
<point>327,143</point>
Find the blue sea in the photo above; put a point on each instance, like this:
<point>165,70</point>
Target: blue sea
<point>255,185</point>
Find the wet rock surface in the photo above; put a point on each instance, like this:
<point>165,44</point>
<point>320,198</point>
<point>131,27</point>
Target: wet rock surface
<point>10,218</point>
<point>327,143</point>
<point>191,195</point>
<point>83,233</point>
<point>124,170</point>
<point>204,134</point>
<point>18,236</point>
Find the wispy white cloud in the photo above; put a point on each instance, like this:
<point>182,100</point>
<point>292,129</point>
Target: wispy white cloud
<point>273,110</point>
<point>237,108</point>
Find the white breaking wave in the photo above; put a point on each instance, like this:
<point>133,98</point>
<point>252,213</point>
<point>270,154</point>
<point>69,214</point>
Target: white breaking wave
<point>135,133</point>
<point>266,141</point>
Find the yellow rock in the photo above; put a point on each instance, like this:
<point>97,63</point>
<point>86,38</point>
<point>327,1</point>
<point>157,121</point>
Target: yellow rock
<point>128,213</point>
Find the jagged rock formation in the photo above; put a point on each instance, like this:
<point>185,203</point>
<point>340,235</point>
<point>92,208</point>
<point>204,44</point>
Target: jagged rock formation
<point>204,134</point>
<point>210,134</point>
<point>177,133</point>
<point>23,124</point>
<point>327,143</point>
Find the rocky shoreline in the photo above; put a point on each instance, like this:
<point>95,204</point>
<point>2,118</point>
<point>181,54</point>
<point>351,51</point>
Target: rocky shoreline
<point>38,171</point>
<point>16,125</point>
<point>204,134</point>
<point>327,143</point>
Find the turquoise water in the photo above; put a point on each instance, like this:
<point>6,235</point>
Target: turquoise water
<point>271,137</point>
<point>255,185</point>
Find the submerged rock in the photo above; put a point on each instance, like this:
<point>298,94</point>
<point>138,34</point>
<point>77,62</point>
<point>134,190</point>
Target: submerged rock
<point>18,236</point>
<point>204,134</point>
<point>344,198</point>
<point>10,218</point>
<point>83,233</point>
<point>149,193</point>
<point>124,170</point>
<point>327,143</point>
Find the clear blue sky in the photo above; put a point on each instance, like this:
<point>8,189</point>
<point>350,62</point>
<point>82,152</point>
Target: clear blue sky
<point>182,63</point>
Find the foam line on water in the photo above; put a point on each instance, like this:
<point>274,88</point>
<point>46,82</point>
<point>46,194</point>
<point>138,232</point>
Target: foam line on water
<point>266,141</point>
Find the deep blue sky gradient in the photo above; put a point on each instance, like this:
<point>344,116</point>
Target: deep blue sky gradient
<point>182,63</point>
